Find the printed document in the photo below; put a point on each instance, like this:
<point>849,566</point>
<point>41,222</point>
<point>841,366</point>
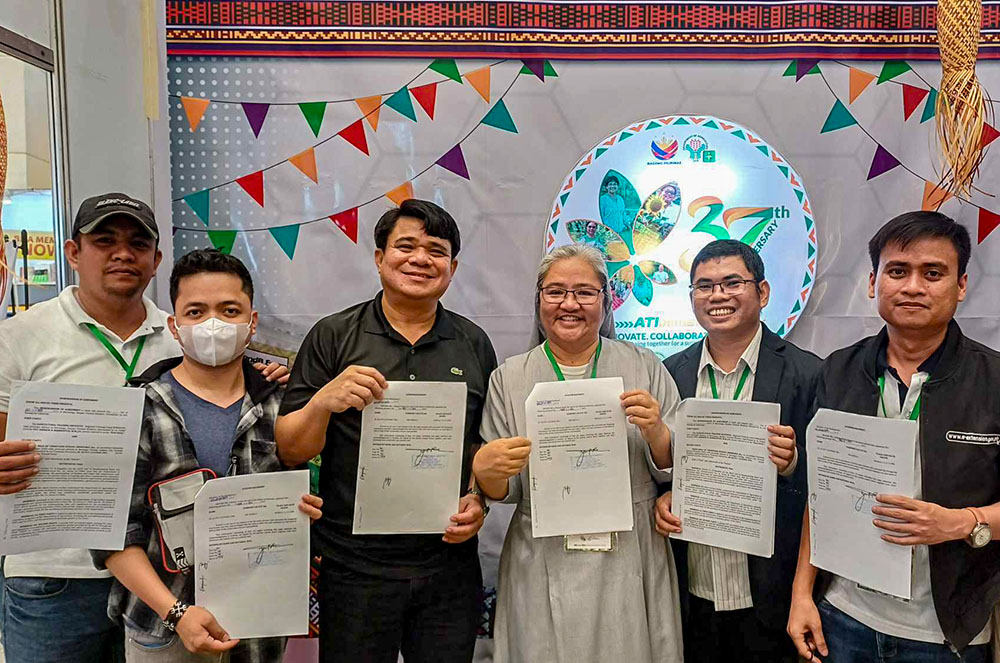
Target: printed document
<point>579,467</point>
<point>410,462</point>
<point>88,438</point>
<point>724,481</point>
<point>853,458</point>
<point>251,548</point>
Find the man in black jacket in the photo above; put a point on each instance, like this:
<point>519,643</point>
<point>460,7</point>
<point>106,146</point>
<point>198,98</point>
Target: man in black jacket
<point>920,367</point>
<point>735,606</point>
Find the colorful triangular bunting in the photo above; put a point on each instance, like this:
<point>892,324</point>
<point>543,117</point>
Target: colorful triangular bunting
<point>355,135</point>
<point>402,192</point>
<point>313,112</point>
<point>253,184</point>
<point>989,135</point>
<point>912,96</point>
<point>891,69</point>
<point>988,222</point>
<point>426,96</point>
<point>480,80</point>
<point>934,197</point>
<point>195,110</point>
<point>306,162</point>
<point>882,162</point>
<point>793,69</point>
<point>400,102</point>
<point>804,67</point>
<point>838,118</point>
<point>930,108</point>
<point>549,70</point>
<point>447,67</point>
<point>454,161</point>
<point>347,222</point>
<point>200,203</point>
<point>286,237</point>
<point>255,115</point>
<point>858,80</point>
<point>370,107</point>
<point>499,117</point>
<point>222,240</point>
<point>536,67</point>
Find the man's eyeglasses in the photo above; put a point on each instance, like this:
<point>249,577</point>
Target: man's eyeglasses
<point>727,287</point>
<point>583,296</point>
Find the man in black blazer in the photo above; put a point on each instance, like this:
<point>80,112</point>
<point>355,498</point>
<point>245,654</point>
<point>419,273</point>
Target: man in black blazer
<point>735,606</point>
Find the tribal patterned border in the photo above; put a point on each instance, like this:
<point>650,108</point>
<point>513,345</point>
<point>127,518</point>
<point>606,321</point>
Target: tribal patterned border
<point>778,29</point>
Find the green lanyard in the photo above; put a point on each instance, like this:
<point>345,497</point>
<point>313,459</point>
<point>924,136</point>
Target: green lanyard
<point>555,365</point>
<point>739,385</point>
<point>128,368</point>
<point>914,413</point>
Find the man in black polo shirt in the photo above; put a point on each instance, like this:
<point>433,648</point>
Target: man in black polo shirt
<point>381,594</point>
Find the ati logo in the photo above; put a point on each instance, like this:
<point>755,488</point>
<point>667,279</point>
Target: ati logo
<point>664,149</point>
<point>697,148</point>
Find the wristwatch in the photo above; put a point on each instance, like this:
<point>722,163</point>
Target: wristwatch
<point>174,615</point>
<point>981,534</point>
<point>482,499</point>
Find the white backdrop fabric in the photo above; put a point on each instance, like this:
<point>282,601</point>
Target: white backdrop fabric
<point>504,210</point>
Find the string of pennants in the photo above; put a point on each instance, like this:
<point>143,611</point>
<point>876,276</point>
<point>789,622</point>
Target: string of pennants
<point>354,133</point>
<point>453,160</point>
<point>840,117</point>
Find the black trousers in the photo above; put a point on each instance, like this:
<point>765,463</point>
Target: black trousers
<point>731,636</point>
<point>365,619</point>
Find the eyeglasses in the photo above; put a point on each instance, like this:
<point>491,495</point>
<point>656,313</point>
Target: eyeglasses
<point>727,287</point>
<point>583,296</point>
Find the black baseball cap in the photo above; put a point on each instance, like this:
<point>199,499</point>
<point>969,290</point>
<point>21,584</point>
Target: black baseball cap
<point>96,209</point>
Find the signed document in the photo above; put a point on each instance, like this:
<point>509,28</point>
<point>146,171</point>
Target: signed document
<point>580,481</point>
<point>410,461</point>
<point>251,547</point>
<point>88,438</point>
<point>853,458</point>
<point>724,481</point>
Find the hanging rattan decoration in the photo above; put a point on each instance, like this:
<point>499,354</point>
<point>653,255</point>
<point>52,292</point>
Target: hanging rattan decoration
<point>962,105</point>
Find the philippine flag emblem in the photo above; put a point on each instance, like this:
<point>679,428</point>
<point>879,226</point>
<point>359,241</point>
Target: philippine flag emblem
<point>663,149</point>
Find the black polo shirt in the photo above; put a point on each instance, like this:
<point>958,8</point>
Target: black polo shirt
<point>454,350</point>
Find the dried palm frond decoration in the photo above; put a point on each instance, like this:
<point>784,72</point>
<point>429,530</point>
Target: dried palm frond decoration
<point>962,105</point>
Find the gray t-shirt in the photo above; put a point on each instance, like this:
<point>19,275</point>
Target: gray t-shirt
<point>212,428</point>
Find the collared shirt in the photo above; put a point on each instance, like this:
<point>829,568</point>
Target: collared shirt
<point>716,574</point>
<point>454,350</point>
<point>166,451</point>
<point>50,343</point>
<point>914,618</point>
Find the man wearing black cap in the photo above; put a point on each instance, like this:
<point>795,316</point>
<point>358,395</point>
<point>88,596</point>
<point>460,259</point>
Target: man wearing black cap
<point>100,332</point>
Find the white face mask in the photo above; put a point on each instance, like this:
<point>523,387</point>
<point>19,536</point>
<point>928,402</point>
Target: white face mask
<point>213,342</point>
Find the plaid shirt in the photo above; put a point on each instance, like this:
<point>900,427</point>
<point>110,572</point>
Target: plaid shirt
<point>166,451</point>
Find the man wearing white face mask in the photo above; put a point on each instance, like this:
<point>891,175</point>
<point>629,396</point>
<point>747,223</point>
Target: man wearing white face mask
<point>207,414</point>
